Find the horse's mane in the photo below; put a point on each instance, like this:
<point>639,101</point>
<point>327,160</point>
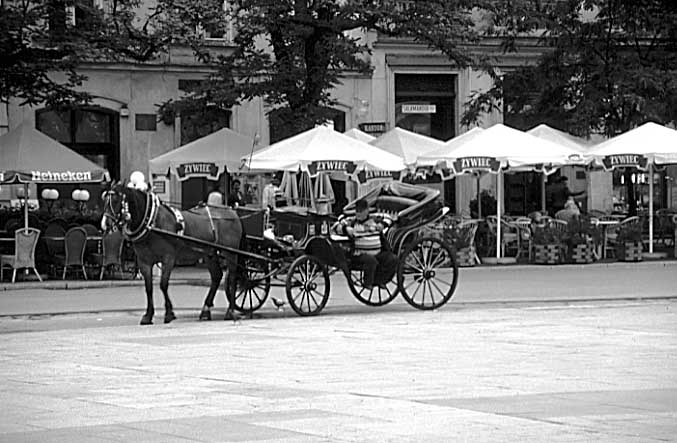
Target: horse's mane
<point>136,200</point>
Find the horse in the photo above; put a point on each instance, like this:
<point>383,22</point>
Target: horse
<point>139,214</point>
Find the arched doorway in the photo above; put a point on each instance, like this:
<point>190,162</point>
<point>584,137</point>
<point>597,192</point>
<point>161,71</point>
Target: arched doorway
<point>91,131</point>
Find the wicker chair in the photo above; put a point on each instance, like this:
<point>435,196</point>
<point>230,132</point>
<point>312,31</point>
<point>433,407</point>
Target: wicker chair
<point>75,242</point>
<point>24,253</point>
<point>510,235</point>
<point>111,253</point>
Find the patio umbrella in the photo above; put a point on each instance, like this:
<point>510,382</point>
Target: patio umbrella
<point>359,135</point>
<point>324,149</point>
<point>643,148</point>
<point>406,144</point>
<point>29,156</point>
<point>501,147</point>
<point>560,137</point>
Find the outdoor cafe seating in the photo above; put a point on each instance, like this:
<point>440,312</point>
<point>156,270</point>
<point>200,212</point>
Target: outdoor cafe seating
<point>25,241</point>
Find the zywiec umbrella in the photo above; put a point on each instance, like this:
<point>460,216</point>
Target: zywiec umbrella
<point>208,156</point>
<point>359,135</point>
<point>406,144</point>
<point>643,148</point>
<point>562,138</point>
<point>501,147</point>
<point>29,156</point>
<point>323,149</point>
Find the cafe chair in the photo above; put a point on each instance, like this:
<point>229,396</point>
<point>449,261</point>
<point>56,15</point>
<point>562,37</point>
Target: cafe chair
<point>611,234</point>
<point>24,253</point>
<point>75,242</point>
<point>111,253</point>
<point>510,236</point>
<point>92,232</point>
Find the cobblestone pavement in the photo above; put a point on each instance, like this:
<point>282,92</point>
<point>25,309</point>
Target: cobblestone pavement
<point>585,371</point>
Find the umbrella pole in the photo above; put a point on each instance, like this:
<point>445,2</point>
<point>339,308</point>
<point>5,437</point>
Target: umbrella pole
<point>650,208</point>
<point>543,181</point>
<point>479,195</point>
<point>499,196</point>
<point>26,205</point>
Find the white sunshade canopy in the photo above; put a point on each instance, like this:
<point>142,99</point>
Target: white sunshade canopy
<point>359,135</point>
<point>501,146</point>
<point>406,144</point>
<point>323,148</point>
<point>223,149</point>
<point>546,132</point>
<point>431,158</point>
<point>657,143</point>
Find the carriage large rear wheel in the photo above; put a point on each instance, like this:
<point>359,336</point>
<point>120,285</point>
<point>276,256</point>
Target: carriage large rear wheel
<point>378,296</point>
<point>307,285</point>
<point>427,274</point>
<point>253,285</point>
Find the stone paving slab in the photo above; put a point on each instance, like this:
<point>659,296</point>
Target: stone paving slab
<point>576,373</point>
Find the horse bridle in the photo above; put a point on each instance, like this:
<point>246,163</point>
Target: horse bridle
<point>124,216</point>
<point>119,219</point>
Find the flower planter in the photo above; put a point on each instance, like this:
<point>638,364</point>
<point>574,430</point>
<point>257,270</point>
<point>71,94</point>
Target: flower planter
<point>582,253</point>
<point>465,257</point>
<point>547,254</point>
<point>629,251</point>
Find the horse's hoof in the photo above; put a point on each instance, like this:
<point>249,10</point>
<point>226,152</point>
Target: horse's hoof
<point>206,315</point>
<point>230,315</point>
<point>169,317</point>
<point>146,320</point>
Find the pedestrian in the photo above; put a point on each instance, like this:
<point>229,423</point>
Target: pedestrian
<point>236,198</point>
<point>558,193</point>
<point>370,248</point>
<point>269,193</point>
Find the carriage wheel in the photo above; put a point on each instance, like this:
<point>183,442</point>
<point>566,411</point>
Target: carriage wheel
<point>253,286</point>
<point>377,296</point>
<point>307,285</point>
<point>427,274</point>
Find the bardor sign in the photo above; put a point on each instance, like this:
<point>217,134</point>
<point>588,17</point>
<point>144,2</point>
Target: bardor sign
<point>469,164</point>
<point>611,162</point>
<point>198,169</point>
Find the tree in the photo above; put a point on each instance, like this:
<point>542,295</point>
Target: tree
<point>292,53</point>
<point>607,67</point>
<point>45,41</point>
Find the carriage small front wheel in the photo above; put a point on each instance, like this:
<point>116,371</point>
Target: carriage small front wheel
<point>253,285</point>
<point>307,285</point>
<point>427,273</point>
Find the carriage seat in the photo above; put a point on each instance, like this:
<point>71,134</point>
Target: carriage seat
<point>392,205</point>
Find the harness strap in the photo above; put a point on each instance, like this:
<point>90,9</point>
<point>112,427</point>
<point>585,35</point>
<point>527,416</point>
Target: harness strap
<point>211,223</point>
<point>152,205</point>
<point>180,220</point>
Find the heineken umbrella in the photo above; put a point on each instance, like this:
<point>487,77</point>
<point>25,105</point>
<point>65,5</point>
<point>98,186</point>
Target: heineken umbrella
<point>406,144</point>
<point>323,149</point>
<point>643,148</point>
<point>501,147</point>
<point>29,156</point>
<point>209,156</point>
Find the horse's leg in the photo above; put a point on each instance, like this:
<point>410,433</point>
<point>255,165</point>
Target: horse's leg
<point>147,273</point>
<point>167,266</point>
<point>216,274</point>
<point>231,287</point>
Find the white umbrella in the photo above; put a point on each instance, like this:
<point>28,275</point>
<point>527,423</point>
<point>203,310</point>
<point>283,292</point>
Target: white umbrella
<point>560,137</point>
<point>406,144</point>
<point>501,147</point>
<point>359,135</point>
<point>643,147</point>
<point>323,149</point>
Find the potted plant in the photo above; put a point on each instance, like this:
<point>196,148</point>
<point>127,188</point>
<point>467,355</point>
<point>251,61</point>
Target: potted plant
<point>547,244</point>
<point>629,242</point>
<point>461,237</point>
<point>582,236</point>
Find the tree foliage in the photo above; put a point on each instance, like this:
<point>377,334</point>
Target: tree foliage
<point>607,66</point>
<point>42,38</point>
<point>292,53</point>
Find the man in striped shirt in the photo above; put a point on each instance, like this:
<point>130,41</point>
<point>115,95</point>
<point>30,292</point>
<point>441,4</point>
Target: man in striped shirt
<point>370,248</point>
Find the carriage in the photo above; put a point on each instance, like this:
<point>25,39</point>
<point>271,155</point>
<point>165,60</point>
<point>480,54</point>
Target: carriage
<point>426,276</point>
<point>302,255</point>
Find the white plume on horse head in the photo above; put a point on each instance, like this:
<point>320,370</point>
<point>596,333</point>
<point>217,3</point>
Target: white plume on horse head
<point>138,181</point>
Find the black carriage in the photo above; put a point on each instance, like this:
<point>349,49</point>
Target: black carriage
<point>306,252</point>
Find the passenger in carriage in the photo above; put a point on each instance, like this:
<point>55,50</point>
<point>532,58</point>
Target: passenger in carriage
<point>235,198</point>
<point>371,250</point>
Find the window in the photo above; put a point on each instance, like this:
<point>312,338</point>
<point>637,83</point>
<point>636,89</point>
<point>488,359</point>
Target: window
<point>217,29</point>
<point>425,104</point>
<point>92,132</point>
<point>145,122</point>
